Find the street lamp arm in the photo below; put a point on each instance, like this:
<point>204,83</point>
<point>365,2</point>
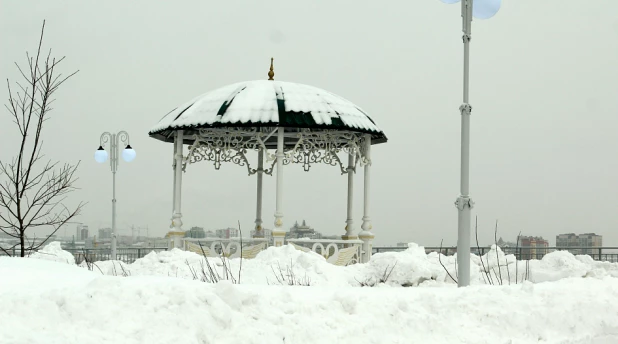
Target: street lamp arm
<point>105,138</point>
<point>123,137</point>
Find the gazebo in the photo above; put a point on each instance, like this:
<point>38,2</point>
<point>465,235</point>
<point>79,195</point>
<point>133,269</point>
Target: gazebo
<point>281,123</point>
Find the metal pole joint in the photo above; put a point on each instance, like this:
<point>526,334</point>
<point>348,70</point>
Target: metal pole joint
<point>465,109</point>
<point>463,201</point>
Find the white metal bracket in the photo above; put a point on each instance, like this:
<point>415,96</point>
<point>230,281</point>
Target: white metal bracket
<point>462,202</point>
<point>465,109</point>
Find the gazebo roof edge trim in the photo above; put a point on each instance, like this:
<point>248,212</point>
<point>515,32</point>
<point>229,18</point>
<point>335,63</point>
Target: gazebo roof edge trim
<point>165,135</point>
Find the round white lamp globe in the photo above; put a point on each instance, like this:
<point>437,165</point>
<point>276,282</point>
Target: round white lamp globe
<point>100,155</point>
<point>481,9</point>
<point>485,9</point>
<point>128,154</point>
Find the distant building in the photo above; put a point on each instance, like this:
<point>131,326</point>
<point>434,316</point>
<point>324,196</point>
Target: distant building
<point>533,247</point>
<point>502,244</point>
<point>105,233</point>
<point>81,232</point>
<point>567,240</point>
<point>227,233</point>
<point>590,241</point>
<point>304,231</point>
<point>196,233</point>
<point>579,244</point>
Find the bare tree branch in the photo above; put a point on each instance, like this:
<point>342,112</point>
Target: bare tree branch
<point>444,267</point>
<point>32,193</point>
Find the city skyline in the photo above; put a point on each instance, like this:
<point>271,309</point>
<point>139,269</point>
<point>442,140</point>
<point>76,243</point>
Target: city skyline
<point>541,151</point>
<point>510,241</point>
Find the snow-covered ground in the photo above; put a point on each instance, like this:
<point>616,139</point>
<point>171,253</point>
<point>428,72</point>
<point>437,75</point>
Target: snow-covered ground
<point>566,299</point>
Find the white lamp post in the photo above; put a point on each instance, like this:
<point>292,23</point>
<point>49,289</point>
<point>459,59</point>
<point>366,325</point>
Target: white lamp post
<point>482,9</point>
<point>100,155</point>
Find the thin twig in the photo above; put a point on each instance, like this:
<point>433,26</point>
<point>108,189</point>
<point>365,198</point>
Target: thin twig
<point>516,261</point>
<point>508,271</point>
<point>497,255</point>
<point>456,272</point>
<point>476,234</point>
<point>241,257</point>
<point>444,267</point>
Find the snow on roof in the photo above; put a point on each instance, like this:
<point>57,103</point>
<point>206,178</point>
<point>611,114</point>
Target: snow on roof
<point>267,103</point>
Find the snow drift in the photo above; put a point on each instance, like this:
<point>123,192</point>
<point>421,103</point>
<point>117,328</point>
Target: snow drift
<point>412,267</point>
<point>51,302</point>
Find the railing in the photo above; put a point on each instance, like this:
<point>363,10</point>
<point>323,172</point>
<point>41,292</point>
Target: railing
<point>127,255</point>
<point>606,254</point>
<point>338,252</point>
<point>328,248</point>
<point>214,247</point>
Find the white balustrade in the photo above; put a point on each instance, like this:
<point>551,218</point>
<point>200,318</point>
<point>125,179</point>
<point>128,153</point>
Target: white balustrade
<point>335,251</point>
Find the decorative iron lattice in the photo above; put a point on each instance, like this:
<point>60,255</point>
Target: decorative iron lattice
<point>228,145</point>
<point>220,145</point>
<point>325,146</point>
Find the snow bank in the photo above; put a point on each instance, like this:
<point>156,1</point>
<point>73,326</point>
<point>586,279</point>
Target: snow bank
<point>411,267</point>
<point>260,270</point>
<point>68,304</point>
<point>54,252</point>
<point>558,265</point>
<point>304,265</point>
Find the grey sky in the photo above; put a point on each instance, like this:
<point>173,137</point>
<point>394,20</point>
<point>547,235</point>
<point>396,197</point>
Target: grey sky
<point>544,91</point>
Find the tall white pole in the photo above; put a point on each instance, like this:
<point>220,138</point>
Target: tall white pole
<point>114,242</point>
<point>366,226</point>
<point>114,163</point>
<point>258,207</point>
<point>349,227</point>
<point>278,232</point>
<point>174,169</point>
<point>464,203</point>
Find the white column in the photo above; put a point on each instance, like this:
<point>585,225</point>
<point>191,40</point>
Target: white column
<point>278,231</point>
<point>176,234</point>
<point>464,203</point>
<point>114,162</point>
<point>114,242</point>
<point>174,180</point>
<point>349,227</point>
<point>258,208</point>
<point>366,235</point>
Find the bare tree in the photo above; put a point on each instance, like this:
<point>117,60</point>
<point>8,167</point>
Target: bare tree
<point>32,191</point>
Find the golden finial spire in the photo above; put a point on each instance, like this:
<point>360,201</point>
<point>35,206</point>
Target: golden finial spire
<point>271,73</point>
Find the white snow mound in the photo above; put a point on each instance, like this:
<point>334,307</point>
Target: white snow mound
<point>54,252</point>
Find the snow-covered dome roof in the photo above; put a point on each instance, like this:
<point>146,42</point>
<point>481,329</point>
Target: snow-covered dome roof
<point>267,103</point>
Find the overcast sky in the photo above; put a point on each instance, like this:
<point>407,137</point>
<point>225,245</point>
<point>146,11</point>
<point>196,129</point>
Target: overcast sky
<point>544,91</point>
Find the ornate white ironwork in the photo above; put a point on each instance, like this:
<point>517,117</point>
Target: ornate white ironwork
<point>337,252</point>
<point>227,145</point>
<point>221,145</point>
<point>229,248</point>
<point>324,147</point>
